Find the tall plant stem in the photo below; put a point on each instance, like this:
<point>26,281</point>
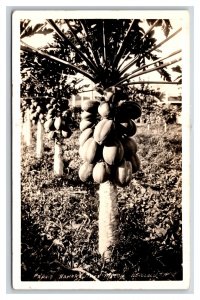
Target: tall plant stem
<point>147,65</point>
<point>152,49</point>
<point>108,219</point>
<point>28,48</point>
<point>69,43</point>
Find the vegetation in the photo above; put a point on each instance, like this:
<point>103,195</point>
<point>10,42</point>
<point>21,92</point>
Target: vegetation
<point>60,216</point>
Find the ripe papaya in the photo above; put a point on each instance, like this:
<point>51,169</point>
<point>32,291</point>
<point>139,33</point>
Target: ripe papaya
<point>84,124</point>
<point>90,105</point>
<point>113,152</point>
<point>89,150</point>
<point>123,174</point>
<point>104,109</point>
<point>101,172</point>
<point>85,135</point>
<point>102,130</point>
<point>130,147</point>
<point>128,128</point>
<point>57,122</point>
<point>49,125</point>
<point>135,161</point>
<point>85,171</point>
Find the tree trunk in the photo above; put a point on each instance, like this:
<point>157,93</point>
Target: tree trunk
<point>165,127</point>
<point>39,142</point>
<point>148,127</point>
<point>27,130</point>
<point>58,159</point>
<point>108,219</point>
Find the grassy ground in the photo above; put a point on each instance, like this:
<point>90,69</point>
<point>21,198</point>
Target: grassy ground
<point>60,215</point>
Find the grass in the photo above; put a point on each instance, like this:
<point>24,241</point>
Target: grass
<point>60,215</point>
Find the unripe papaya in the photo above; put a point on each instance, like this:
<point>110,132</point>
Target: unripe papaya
<point>101,172</point>
<point>85,135</point>
<point>135,161</point>
<point>113,152</point>
<point>104,109</point>
<point>85,171</point>
<point>128,110</point>
<point>89,150</point>
<point>84,124</point>
<point>90,105</point>
<point>123,174</point>
<point>128,128</point>
<point>130,147</point>
<point>102,130</point>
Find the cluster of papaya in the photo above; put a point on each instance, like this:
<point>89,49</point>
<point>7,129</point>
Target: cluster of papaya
<point>37,111</point>
<point>58,119</point>
<point>107,148</point>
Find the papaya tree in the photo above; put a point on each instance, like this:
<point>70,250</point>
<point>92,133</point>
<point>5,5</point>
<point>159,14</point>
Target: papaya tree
<point>48,92</point>
<point>114,54</point>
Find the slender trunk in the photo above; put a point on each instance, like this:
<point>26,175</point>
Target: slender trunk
<point>108,219</point>
<point>39,142</point>
<point>148,127</point>
<point>58,160</point>
<point>27,129</point>
<point>165,127</point>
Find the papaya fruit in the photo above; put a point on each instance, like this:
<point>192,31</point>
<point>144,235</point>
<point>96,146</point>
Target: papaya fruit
<point>102,130</point>
<point>104,109</point>
<point>113,152</point>
<point>101,172</point>
<point>84,124</point>
<point>128,110</point>
<point>130,147</point>
<point>52,135</point>
<point>85,115</point>
<point>89,150</point>
<point>128,128</point>
<point>135,161</point>
<point>90,105</point>
<point>66,133</point>
<point>85,171</point>
<point>123,174</point>
<point>49,125</point>
<point>85,135</point>
<point>52,112</point>
<point>57,122</point>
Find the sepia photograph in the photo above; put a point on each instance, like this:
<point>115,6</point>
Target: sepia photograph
<point>100,143</point>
